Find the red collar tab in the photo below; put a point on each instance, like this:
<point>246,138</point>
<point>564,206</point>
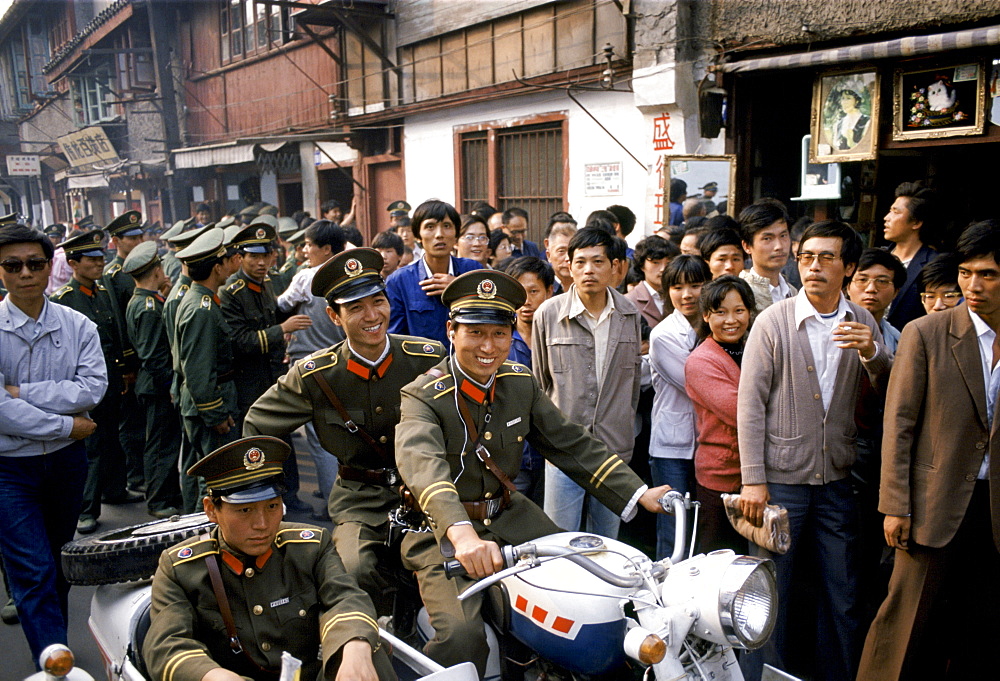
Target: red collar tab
<point>159,297</point>
<point>254,287</point>
<point>364,373</point>
<point>216,300</point>
<point>236,565</point>
<point>475,393</point>
<point>86,291</point>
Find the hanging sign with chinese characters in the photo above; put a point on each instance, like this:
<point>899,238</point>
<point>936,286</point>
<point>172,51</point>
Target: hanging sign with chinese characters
<point>24,165</point>
<point>88,146</point>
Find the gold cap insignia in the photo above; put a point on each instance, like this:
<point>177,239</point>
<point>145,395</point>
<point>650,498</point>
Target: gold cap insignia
<point>253,459</point>
<point>261,234</point>
<point>133,218</point>
<point>353,267</point>
<point>486,289</point>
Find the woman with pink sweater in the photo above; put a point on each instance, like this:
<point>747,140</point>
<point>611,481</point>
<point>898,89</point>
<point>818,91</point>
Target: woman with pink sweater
<point>712,376</point>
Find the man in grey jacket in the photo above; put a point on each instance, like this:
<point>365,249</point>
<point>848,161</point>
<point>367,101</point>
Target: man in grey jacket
<point>52,372</point>
<point>795,422</point>
<point>586,359</point>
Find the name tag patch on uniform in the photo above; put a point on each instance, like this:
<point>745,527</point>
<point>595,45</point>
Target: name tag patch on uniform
<point>514,422</point>
<point>280,601</point>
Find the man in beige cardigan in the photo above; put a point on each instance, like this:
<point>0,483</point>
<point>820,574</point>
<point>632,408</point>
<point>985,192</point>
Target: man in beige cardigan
<point>795,421</point>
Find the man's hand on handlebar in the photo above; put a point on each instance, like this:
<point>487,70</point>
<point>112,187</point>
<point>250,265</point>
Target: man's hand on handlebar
<point>356,662</point>
<point>650,499</point>
<point>479,558</point>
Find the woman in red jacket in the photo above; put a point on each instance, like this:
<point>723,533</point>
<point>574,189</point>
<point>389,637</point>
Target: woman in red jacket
<point>712,376</point>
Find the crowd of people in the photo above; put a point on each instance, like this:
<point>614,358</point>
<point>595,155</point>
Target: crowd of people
<point>516,389</point>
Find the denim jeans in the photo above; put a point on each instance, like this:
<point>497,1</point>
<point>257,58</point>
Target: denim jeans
<point>679,474</point>
<point>564,505</point>
<point>40,501</point>
<point>325,462</point>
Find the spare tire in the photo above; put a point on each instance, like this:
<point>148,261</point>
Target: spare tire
<point>129,553</point>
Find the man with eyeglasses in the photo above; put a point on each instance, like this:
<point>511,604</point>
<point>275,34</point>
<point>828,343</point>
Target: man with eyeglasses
<point>938,283</point>
<point>875,283</point>
<point>515,225</point>
<point>795,421</point>
<point>52,372</point>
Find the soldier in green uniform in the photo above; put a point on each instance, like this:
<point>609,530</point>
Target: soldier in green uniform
<point>105,458</point>
<point>171,265</point>
<point>283,584</point>
<point>144,322</point>
<point>203,355</point>
<point>126,233</point>
<point>364,374</point>
<point>461,436</point>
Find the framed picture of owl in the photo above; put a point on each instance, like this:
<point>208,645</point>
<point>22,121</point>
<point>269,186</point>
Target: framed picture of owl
<point>948,101</point>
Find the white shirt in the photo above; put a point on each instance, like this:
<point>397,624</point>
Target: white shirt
<point>600,326</point>
<point>673,435</point>
<point>427,268</point>
<point>819,328</point>
<point>991,378</point>
<point>781,291</point>
<point>299,290</point>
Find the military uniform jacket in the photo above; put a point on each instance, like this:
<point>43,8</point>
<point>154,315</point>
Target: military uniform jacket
<point>171,265</point>
<point>120,286</point>
<point>283,277</point>
<point>294,598</point>
<point>144,317</point>
<point>96,304</point>
<point>251,310</point>
<point>203,357</point>
<point>177,291</point>
<point>371,397</point>
<point>440,468</point>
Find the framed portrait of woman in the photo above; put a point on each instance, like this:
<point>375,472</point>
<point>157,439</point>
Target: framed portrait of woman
<point>948,101</point>
<point>844,124</point>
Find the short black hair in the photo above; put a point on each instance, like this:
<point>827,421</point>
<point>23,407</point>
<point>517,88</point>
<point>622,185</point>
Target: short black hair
<point>714,239</point>
<point>624,217</point>
<point>597,221</point>
<point>497,237</point>
<point>800,226</point>
<point>614,248</point>
<point>760,215</point>
<point>298,215</point>
<point>514,212</point>
<point>653,247</point>
<point>715,291</point>
<point>18,233</point>
<point>876,256</point>
<point>941,271</point>
<point>202,208</point>
<point>326,233</point>
<point>850,241</point>
<point>434,209</point>
<point>388,239</point>
<point>721,222</point>
<point>559,216</point>
<point>607,215</point>
<point>980,239</point>
<point>202,270</point>
<point>328,205</point>
<point>685,269</point>
<point>473,219</point>
<point>306,221</point>
<point>924,206</point>
<point>482,210</point>
<point>529,264</point>
<point>353,235</point>
<point>678,188</point>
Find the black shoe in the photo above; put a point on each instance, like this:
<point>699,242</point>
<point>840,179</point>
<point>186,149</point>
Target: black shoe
<point>8,613</point>
<point>165,512</point>
<point>318,494</point>
<point>296,505</point>
<point>141,488</point>
<point>319,517</point>
<point>129,497</point>
<point>86,526</point>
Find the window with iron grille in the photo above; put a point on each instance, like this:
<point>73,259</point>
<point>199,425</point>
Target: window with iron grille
<point>509,166</point>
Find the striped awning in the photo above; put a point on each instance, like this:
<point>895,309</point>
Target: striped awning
<point>886,49</point>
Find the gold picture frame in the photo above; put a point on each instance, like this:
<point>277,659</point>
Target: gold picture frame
<point>845,111</point>
<point>946,101</point>
<point>695,169</point>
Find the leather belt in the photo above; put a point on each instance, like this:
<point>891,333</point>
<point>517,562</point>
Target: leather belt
<point>386,477</point>
<point>487,509</point>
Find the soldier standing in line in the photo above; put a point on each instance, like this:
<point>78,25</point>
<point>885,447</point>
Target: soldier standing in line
<point>462,429</point>
<point>144,323</point>
<point>351,392</point>
<point>203,356</point>
<point>285,265</point>
<point>171,265</point>
<point>126,233</point>
<point>105,458</point>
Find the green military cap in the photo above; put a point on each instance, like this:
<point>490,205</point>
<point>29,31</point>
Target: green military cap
<point>226,221</point>
<point>9,219</point>
<point>249,210</point>
<point>88,243</point>
<point>350,275</point>
<point>174,230</point>
<point>128,223</point>
<point>206,247</point>
<point>54,229</point>
<point>142,259</point>
<point>397,208</point>
<point>287,226</point>
<point>245,471</point>
<point>265,219</point>
<point>268,209</point>
<point>483,297</point>
<point>86,222</point>
<point>185,239</point>
<point>297,238</point>
<point>255,238</point>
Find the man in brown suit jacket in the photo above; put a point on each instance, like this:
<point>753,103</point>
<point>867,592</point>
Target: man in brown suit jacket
<point>940,493</point>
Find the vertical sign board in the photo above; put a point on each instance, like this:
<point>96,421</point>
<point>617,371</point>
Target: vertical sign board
<point>87,146</point>
<point>23,165</point>
<point>602,179</point>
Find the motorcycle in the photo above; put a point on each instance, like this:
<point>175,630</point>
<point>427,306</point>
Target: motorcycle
<point>585,605</point>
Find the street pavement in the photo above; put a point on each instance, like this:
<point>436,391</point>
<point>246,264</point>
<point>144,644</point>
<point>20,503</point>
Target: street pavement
<point>16,658</point>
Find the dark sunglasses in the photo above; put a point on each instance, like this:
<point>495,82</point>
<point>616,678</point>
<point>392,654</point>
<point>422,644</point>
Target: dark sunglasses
<point>13,265</point>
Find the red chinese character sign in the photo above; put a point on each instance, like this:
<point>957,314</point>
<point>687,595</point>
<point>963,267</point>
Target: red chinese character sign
<point>661,133</point>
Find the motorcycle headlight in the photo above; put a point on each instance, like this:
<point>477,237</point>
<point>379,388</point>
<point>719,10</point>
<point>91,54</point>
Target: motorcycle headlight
<point>733,597</point>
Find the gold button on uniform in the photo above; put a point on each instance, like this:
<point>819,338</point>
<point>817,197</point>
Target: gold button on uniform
<point>257,609</point>
<point>487,521</point>
<point>265,646</point>
<point>489,494</point>
<point>249,572</point>
<point>520,438</point>
<point>383,439</point>
<point>302,613</point>
<point>487,436</point>
<point>378,410</point>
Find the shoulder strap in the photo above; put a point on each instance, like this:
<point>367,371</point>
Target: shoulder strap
<point>482,453</point>
<point>212,562</point>
<point>352,427</point>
